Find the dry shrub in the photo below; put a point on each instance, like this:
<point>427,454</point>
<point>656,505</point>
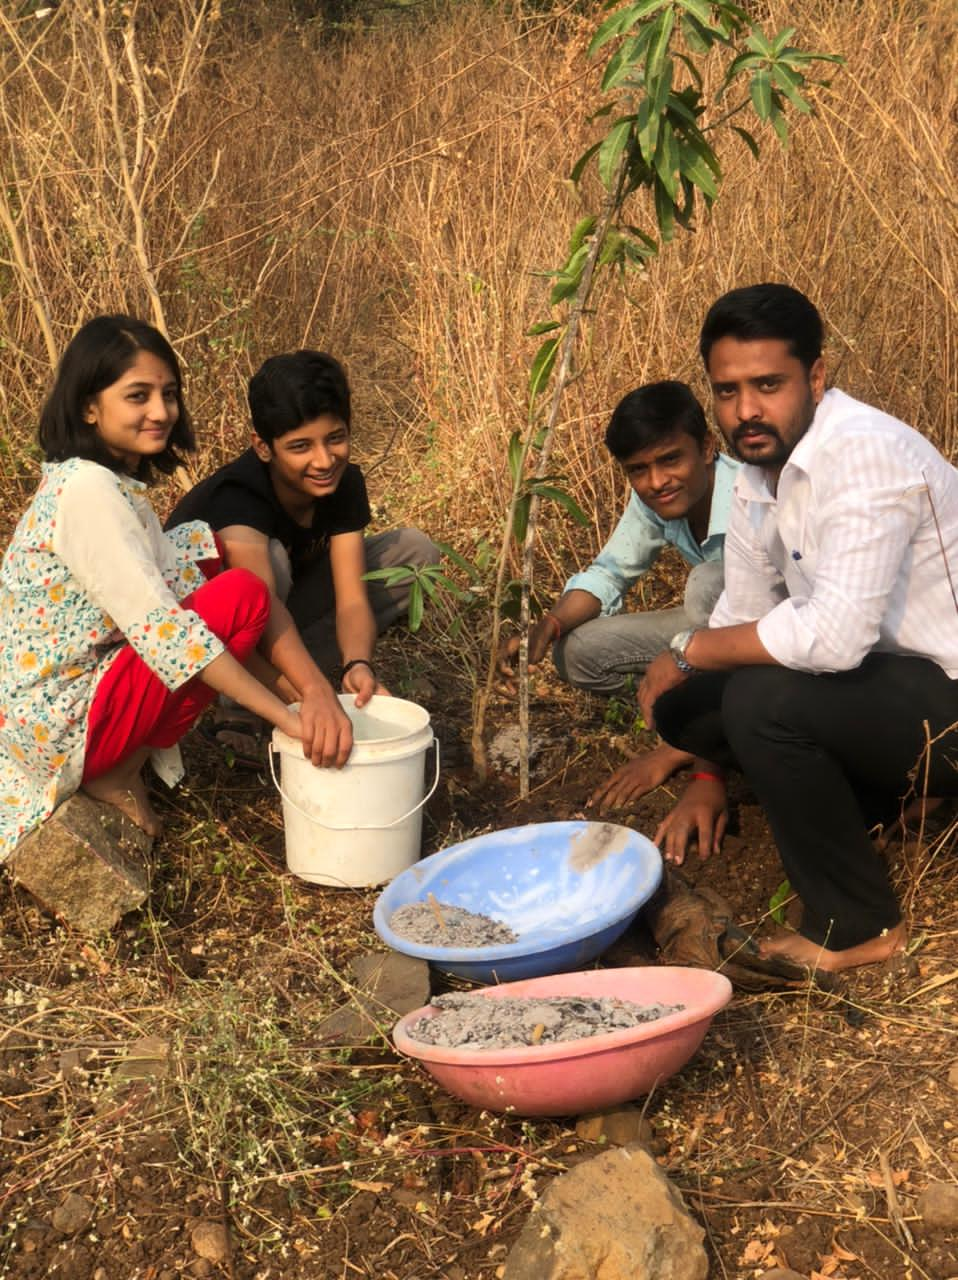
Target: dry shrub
<point>395,196</point>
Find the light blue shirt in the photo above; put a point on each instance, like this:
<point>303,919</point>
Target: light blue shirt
<point>641,535</point>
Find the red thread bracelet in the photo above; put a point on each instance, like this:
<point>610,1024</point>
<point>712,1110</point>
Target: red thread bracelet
<point>711,777</point>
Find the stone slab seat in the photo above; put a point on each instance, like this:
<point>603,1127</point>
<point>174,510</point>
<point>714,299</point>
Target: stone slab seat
<point>88,864</point>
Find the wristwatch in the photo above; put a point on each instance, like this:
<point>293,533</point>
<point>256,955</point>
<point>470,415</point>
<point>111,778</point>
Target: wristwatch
<point>677,647</point>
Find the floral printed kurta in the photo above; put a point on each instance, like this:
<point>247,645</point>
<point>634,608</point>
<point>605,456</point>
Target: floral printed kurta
<point>89,569</point>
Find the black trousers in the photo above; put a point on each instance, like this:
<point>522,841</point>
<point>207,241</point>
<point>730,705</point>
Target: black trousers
<point>827,756</point>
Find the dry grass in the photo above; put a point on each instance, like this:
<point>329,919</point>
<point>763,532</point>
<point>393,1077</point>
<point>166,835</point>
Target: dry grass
<point>394,198</point>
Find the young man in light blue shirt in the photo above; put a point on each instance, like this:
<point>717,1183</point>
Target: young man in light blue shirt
<point>681,497</point>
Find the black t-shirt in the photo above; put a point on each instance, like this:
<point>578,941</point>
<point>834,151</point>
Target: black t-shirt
<point>242,493</point>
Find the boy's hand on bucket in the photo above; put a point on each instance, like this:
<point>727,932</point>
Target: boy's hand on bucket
<point>361,680</point>
<point>324,727</point>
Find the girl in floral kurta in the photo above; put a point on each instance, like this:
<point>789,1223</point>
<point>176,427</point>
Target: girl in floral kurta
<point>113,634</point>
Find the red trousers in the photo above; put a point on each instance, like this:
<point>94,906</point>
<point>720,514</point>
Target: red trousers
<point>133,708</point>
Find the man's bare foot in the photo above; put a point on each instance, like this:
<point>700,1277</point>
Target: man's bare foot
<point>638,776</point>
<point>124,788</point>
<point>799,950</point>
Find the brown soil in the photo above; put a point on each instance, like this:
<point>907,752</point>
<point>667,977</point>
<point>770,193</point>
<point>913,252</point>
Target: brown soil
<point>785,1133</point>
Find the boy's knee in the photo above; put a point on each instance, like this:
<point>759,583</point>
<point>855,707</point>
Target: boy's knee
<point>416,548</point>
<point>704,586</point>
<point>579,662</point>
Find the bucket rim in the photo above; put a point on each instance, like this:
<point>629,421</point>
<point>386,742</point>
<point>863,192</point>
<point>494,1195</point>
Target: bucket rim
<point>378,703</point>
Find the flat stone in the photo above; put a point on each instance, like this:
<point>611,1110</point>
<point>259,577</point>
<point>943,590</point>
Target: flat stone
<point>210,1241</point>
<point>953,1075</point>
<point>782,1273</point>
<point>389,985</point>
<point>616,1216</point>
<point>938,1205</point>
<point>88,864</point>
<point>74,1213</point>
<point>618,1126</point>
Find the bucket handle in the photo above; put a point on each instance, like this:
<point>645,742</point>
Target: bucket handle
<point>372,826</point>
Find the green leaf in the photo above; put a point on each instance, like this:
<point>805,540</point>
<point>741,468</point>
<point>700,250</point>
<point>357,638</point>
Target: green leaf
<point>621,21</point>
<point>611,251</point>
<point>668,160</point>
<point>664,212</point>
<point>759,44</point>
<point>452,554</point>
<point>453,588</point>
<point>542,366</point>
<point>694,34</point>
<point>542,326</point>
<point>644,239</point>
<point>515,452</point>
<point>747,139</point>
<point>695,167</point>
<point>659,44</point>
<point>790,82</point>
<point>520,521</point>
<point>649,118</point>
<point>780,40</point>
<point>699,9</point>
<point>776,903</point>
<point>690,67</point>
<point>685,108</point>
<point>779,122</point>
<point>611,148</point>
<point>564,499</point>
<point>761,94</point>
<point>579,167</point>
<point>396,575</point>
<point>621,64</point>
<point>428,585</point>
<point>583,228</point>
<point>416,605</point>
<point>744,62</point>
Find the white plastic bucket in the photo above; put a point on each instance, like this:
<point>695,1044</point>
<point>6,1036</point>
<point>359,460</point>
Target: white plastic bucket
<point>362,824</point>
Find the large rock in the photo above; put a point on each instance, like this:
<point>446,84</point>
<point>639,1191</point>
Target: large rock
<point>388,984</point>
<point>616,1216</point>
<point>87,863</point>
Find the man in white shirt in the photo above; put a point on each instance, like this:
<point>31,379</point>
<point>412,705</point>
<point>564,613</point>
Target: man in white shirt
<point>829,669</point>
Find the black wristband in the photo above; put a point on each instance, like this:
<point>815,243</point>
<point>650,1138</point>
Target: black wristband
<point>358,662</point>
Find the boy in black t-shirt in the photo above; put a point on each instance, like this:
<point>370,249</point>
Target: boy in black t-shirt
<point>292,509</point>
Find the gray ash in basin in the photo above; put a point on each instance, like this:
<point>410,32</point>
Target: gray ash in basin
<point>438,924</point>
<point>470,1021</point>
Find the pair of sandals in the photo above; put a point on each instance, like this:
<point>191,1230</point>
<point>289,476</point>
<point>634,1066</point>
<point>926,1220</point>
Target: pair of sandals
<point>694,927</point>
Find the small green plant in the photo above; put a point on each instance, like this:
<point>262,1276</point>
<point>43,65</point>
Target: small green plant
<point>778,901</point>
<point>622,710</point>
<point>660,144</point>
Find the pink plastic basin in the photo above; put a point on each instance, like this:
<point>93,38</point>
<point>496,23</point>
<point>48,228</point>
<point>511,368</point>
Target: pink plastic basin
<point>580,1075</point>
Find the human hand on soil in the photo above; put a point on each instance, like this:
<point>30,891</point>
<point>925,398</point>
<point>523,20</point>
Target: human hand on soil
<point>638,776</point>
<point>325,728</point>
<point>701,815</point>
<point>661,675</point>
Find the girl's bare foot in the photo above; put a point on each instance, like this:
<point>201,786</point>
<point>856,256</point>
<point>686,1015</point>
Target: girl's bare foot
<point>124,788</point>
<point>792,946</point>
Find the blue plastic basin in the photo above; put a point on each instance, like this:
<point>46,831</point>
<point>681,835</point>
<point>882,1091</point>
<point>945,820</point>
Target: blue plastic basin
<point>568,889</point>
